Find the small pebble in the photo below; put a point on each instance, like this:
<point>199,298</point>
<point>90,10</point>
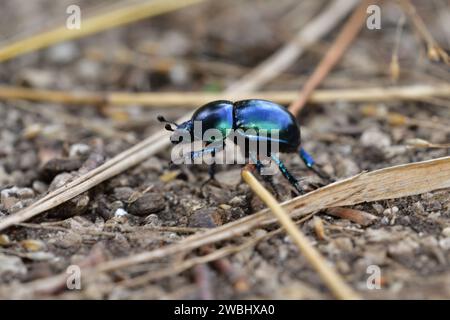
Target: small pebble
<point>205,218</point>
<point>445,243</point>
<point>123,193</point>
<point>120,213</point>
<point>375,255</point>
<point>346,167</point>
<point>32,131</point>
<point>148,203</point>
<point>4,177</point>
<point>343,266</point>
<point>71,208</point>
<point>169,175</point>
<point>4,240</point>
<point>153,164</point>
<point>225,206</point>
<point>60,180</point>
<point>403,248</point>
<point>230,178</point>
<point>373,137</point>
<point>378,235</point>
<point>57,166</point>
<point>11,265</point>
<point>434,215</point>
<point>89,70</point>
<point>153,220</point>
<point>390,211</point>
<point>11,196</point>
<point>418,208</point>
<point>378,208</point>
<point>40,256</point>
<point>69,240</point>
<point>32,245</point>
<point>37,78</point>
<point>179,74</point>
<point>238,201</point>
<point>20,205</point>
<point>39,186</point>
<point>345,244</point>
<point>25,193</point>
<point>259,233</point>
<point>63,53</point>
<point>446,232</point>
<point>28,160</point>
<point>79,150</point>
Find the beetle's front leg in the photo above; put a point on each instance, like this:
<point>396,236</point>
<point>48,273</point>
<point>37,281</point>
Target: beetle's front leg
<point>207,150</point>
<point>212,166</point>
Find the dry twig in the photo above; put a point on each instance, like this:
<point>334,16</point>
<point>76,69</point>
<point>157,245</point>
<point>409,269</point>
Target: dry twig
<point>331,278</point>
<point>287,55</point>
<point>195,99</point>
<point>434,50</point>
<point>360,217</point>
<point>93,25</point>
<point>333,55</point>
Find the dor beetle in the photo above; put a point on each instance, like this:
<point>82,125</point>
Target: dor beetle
<point>241,116</point>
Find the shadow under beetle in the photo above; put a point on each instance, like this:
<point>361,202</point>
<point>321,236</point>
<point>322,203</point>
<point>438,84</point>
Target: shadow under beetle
<point>241,116</point>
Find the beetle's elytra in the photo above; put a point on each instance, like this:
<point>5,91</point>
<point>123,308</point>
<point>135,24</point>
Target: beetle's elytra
<point>240,116</point>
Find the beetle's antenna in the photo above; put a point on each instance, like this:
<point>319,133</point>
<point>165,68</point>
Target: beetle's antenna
<point>169,124</point>
<point>162,119</point>
<point>168,127</point>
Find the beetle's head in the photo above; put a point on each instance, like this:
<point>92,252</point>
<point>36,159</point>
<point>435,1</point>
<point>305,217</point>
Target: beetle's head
<point>182,133</point>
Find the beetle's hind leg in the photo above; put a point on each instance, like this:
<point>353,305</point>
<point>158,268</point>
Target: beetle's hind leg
<point>289,177</point>
<point>267,178</point>
<point>311,165</point>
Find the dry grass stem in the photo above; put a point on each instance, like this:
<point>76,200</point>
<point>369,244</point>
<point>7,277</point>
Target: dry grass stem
<point>289,53</point>
<point>360,217</point>
<point>329,276</point>
<point>348,33</point>
<point>93,25</point>
<point>195,99</point>
<point>434,50</point>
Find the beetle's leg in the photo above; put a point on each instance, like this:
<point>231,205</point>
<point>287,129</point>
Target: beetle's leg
<point>212,166</point>
<point>196,154</point>
<point>311,165</point>
<point>292,180</point>
<point>266,178</point>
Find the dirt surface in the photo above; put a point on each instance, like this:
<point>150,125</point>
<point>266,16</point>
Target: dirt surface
<point>206,48</point>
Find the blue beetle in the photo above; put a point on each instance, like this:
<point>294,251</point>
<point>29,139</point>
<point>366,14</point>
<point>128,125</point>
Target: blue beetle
<point>241,116</point>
